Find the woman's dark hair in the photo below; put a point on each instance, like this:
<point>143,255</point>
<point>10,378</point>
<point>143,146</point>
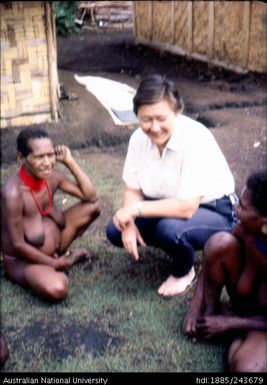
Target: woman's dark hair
<point>24,137</point>
<point>257,185</point>
<point>154,88</point>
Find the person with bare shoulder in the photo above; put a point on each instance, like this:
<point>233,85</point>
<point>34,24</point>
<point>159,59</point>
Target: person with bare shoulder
<point>237,261</point>
<point>36,236</point>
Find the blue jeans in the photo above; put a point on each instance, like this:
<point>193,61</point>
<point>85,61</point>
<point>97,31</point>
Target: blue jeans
<point>180,238</point>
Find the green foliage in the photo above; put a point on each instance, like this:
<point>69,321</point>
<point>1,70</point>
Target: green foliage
<point>65,17</point>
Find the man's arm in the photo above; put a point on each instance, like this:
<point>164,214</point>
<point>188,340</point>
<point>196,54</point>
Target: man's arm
<point>83,188</point>
<point>213,325</point>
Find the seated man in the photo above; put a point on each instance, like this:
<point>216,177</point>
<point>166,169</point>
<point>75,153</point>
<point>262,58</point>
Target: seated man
<point>237,261</point>
<point>35,235</point>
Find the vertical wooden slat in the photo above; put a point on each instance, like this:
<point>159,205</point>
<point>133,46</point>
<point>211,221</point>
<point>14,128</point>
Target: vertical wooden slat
<point>246,33</point>
<point>150,18</point>
<point>190,26</point>
<point>52,60</point>
<point>134,20</point>
<point>172,23</point>
<point>211,30</point>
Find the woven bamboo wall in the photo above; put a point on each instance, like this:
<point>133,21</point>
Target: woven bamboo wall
<point>26,96</point>
<point>227,33</point>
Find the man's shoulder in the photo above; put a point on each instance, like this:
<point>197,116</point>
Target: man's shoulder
<point>56,176</point>
<point>11,188</point>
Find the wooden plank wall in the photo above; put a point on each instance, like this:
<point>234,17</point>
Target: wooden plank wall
<point>26,73</point>
<point>227,33</point>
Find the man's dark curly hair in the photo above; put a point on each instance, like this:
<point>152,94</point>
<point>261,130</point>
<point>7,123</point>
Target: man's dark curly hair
<point>24,137</point>
<point>257,185</point>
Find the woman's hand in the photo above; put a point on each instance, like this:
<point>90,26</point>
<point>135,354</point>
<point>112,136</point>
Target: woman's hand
<point>130,236</point>
<point>63,154</point>
<point>124,216</point>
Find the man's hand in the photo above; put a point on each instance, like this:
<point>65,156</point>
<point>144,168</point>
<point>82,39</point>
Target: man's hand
<point>61,262</point>
<point>211,326</point>
<point>130,236</point>
<point>63,154</point>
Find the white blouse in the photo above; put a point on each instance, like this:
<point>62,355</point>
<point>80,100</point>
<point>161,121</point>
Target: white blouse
<point>191,165</point>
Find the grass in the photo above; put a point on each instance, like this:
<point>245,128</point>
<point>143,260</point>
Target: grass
<point>112,320</point>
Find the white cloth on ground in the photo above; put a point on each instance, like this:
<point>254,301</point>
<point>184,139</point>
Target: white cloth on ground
<point>115,96</point>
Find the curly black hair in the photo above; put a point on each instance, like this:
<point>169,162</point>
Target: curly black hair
<point>257,185</point>
<point>24,137</point>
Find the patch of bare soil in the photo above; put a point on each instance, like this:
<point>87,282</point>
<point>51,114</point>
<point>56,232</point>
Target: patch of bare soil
<point>63,338</point>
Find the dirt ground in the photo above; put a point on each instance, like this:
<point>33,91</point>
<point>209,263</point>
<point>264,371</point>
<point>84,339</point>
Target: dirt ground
<point>232,105</point>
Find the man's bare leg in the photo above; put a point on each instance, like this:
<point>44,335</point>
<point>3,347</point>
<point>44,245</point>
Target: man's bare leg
<point>240,358</point>
<point>77,220</point>
<point>194,311</point>
<point>41,279</point>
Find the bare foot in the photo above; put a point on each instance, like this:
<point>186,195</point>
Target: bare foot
<point>177,286</point>
<point>77,255</point>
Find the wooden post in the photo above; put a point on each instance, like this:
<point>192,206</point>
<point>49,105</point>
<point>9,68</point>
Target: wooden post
<point>246,33</point>
<point>190,26</point>
<point>211,30</point>
<point>150,18</point>
<point>52,58</point>
<point>134,21</point>
<point>172,22</point>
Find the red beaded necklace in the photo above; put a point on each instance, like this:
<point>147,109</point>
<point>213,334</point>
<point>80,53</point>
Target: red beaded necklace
<point>37,185</point>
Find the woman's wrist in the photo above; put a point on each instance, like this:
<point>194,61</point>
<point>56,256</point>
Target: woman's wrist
<point>137,209</point>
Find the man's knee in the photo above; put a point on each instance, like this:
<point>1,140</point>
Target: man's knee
<point>94,210</point>
<point>58,288</point>
<point>245,361</point>
<point>90,211</point>
<point>219,245</point>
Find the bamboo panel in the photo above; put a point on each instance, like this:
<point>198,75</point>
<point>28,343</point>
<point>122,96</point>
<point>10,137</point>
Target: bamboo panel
<point>181,24</point>
<point>258,32</point>
<point>228,31</point>
<point>143,19</point>
<point>200,30</point>
<point>231,34</point>
<point>162,21</point>
<point>37,118</point>
<point>25,75</point>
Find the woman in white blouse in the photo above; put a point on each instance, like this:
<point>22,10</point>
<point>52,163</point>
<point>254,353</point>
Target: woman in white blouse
<point>179,189</point>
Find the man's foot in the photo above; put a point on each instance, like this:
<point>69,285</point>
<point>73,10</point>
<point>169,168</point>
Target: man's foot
<point>80,254</point>
<point>177,286</point>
